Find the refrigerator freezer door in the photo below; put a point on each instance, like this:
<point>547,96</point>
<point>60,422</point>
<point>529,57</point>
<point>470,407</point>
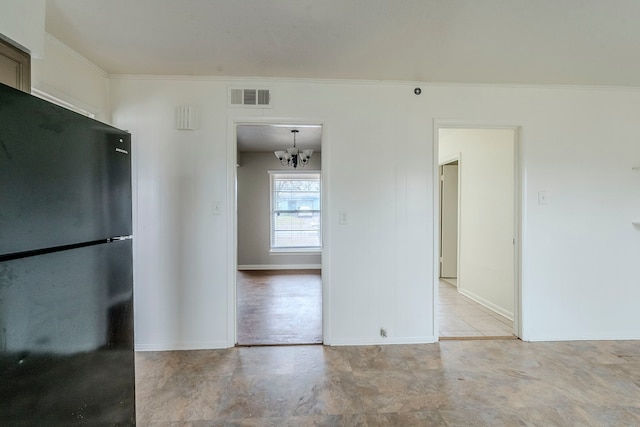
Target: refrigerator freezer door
<point>64,178</point>
<point>66,337</point>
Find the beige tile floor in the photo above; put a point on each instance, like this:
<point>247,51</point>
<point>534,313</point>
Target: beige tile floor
<point>451,383</point>
<point>462,317</point>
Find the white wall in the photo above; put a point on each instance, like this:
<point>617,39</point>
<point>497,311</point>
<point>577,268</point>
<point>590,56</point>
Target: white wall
<point>68,76</point>
<point>579,252</point>
<point>379,273</point>
<point>486,219</point>
<point>254,216</point>
<point>22,22</point>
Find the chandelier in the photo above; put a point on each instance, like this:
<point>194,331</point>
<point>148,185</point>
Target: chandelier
<point>293,157</point>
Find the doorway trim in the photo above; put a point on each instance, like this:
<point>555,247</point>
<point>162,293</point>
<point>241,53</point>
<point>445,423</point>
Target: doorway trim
<point>232,215</point>
<point>517,212</point>
<point>456,157</point>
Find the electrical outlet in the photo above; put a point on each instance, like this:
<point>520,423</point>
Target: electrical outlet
<point>383,332</point>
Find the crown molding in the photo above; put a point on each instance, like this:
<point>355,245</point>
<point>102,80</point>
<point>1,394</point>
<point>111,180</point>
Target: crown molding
<point>292,80</point>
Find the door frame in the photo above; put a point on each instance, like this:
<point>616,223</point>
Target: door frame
<point>22,61</point>
<point>232,215</point>
<point>457,157</point>
<point>517,212</point>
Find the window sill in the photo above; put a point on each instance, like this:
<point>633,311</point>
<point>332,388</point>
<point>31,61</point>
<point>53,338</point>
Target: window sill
<point>295,251</point>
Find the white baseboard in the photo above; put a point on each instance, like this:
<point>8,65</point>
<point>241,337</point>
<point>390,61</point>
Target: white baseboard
<point>214,345</point>
<point>491,306</point>
<point>597,337</point>
<point>218,345</point>
<point>280,267</point>
<point>383,341</point>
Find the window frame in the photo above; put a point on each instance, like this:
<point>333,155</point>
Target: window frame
<point>273,174</point>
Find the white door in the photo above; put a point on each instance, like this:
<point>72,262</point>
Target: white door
<point>449,220</point>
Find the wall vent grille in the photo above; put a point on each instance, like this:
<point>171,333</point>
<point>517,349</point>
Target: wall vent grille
<point>255,98</point>
<point>186,117</point>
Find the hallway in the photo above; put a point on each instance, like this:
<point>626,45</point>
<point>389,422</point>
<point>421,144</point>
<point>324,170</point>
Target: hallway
<point>461,317</point>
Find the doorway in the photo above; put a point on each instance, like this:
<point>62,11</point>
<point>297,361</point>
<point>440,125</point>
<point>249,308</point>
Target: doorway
<point>449,202</point>
<point>478,280</point>
<point>278,281</point>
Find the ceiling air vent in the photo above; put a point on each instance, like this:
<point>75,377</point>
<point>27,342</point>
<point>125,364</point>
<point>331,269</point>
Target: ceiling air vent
<point>257,98</point>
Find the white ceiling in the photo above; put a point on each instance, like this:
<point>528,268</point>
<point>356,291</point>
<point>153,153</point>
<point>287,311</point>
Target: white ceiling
<point>264,137</point>
<point>589,42</point>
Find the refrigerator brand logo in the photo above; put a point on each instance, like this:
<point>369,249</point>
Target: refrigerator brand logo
<point>120,150</point>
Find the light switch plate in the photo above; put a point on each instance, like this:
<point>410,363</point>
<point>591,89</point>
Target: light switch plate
<point>542,197</point>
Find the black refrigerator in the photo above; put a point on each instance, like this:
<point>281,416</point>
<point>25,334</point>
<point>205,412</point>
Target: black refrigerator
<point>66,277</point>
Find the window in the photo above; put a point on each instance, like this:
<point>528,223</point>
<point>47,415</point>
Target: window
<point>295,211</point>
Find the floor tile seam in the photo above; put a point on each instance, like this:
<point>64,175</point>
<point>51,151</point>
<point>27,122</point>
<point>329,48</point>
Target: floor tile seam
<point>499,410</point>
<point>622,363</point>
<point>290,412</point>
<point>382,370</point>
<point>214,364</point>
<point>453,318</point>
<point>445,308</point>
<point>504,330</point>
<point>471,320</point>
<point>449,374</point>
<point>359,411</point>
<point>494,315</point>
<point>479,407</point>
<point>312,377</point>
<point>483,314</point>
<point>463,316</point>
<point>411,411</point>
<point>289,417</point>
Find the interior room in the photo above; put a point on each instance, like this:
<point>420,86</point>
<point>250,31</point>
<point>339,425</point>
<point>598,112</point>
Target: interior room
<point>279,281</point>
<point>387,82</point>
